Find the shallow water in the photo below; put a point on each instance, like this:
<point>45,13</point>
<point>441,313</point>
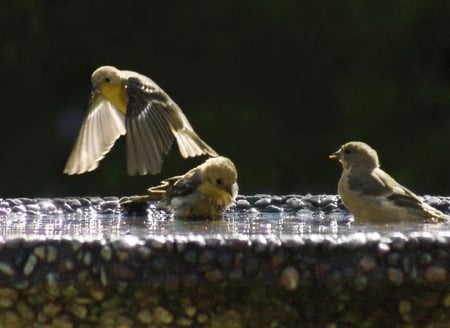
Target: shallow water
<point>277,225</point>
<point>302,263</point>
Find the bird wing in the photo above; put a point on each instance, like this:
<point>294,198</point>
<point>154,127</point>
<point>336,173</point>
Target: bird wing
<point>395,192</point>
<point>103,125</point>
<point>153,120</point>
<point>184,186</point>
<point>402,196</point>
<point>380,184</point>
<point>164,185</point>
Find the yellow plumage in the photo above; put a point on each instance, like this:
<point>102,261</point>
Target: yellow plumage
<point>204,192</point>
<point>116,94</point>
<point>126,102</point>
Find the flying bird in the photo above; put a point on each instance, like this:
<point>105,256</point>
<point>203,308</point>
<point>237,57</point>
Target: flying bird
<point>125,102</point>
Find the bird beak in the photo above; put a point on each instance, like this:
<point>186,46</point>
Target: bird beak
<point>335,155</point>
<point>233,190</point>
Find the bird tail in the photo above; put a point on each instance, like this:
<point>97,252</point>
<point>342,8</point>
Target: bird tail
<point>191,145</point>
<point>436,216</point>
<point>135,200</point>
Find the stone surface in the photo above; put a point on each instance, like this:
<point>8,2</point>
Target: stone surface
<point>275,262</point>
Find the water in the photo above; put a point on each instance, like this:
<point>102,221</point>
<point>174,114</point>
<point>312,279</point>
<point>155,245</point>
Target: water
<point>279,225</point>
<point>307,266</point>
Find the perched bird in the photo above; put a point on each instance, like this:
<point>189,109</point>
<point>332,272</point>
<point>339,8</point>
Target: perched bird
<point>204,192</point>
<point>372,195</point>
<point>126,102</point>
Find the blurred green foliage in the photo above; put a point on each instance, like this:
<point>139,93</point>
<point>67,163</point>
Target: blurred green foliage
<point>274,85</point>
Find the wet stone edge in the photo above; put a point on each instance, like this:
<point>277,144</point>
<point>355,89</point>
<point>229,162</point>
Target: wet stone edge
<point>420,258</point>
<point>71,276</point>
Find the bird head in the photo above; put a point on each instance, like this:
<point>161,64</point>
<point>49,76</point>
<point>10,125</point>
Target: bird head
<point>221,172</point>
<point>105,75</point>
<point>356,154</point>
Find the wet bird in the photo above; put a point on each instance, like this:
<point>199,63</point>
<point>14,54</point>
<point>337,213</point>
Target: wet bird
<point>372,195</point>
<point>204,192</point>
<point>125,102</point>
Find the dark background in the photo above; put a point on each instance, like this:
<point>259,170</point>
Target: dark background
<point>274,85</point>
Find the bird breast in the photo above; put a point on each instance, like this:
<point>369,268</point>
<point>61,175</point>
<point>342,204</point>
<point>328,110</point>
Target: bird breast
<point>116,94</point>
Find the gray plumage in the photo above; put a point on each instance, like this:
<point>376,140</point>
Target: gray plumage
<point>372,195</point>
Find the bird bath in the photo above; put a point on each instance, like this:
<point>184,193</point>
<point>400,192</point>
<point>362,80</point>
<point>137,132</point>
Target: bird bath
<point>273,261</point>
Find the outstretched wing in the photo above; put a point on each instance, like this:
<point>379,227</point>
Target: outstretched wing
<point>101,128</point>
<point>153,120</point>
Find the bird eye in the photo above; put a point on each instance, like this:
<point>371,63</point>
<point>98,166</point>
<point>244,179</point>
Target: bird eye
<point>219,181</point>
<point>347,151</point>
<point>107,79</point>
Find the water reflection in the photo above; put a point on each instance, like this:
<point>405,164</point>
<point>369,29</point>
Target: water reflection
<point>298,224</point>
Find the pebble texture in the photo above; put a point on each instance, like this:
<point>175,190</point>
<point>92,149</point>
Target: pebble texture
<point>261,203</point>
<point>110,205</point>
<point>322,280</point>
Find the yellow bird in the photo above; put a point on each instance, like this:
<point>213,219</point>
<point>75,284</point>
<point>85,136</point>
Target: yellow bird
<point>204,192</point>
<point>372,195</point>
<point>125,102</point>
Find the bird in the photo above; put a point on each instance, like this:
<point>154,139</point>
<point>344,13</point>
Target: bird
<point>126,102</point>
<point>372,195</point>
<point>204,192</point>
